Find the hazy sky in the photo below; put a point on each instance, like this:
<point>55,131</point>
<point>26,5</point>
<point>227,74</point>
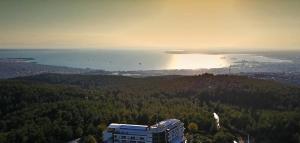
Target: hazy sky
<point>172,24</point>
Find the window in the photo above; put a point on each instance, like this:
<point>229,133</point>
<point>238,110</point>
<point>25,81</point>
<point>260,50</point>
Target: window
<point>123,137</point>
<point>133,138</point>
<point>142,138</point>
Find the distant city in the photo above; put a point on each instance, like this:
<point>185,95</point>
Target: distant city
<point>283,67</point>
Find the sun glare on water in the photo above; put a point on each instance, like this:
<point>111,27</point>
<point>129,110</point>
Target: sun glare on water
<point>197,61</point>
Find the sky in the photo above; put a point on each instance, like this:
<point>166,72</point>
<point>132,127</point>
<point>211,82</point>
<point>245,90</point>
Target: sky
<point>151,24</point>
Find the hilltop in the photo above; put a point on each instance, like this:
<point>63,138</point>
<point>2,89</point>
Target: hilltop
<point>60,108</point>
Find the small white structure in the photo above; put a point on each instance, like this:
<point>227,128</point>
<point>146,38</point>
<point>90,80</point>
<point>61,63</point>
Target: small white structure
<point>167,131</point>
<point>217,118</point>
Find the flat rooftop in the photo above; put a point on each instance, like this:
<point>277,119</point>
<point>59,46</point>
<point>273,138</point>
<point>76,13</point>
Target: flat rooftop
<point>167,123</point>
<point>143,127</point>
<point>128,126</point>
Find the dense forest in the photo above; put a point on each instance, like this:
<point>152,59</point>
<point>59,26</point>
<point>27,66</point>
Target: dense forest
<point>60,108</point>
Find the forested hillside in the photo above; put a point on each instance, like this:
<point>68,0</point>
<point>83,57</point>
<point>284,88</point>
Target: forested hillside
<point>60,108</point>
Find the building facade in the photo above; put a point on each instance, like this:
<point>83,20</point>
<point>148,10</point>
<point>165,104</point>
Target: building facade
<point>167,131</point>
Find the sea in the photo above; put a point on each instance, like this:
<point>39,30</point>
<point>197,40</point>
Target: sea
<point>139,60</point>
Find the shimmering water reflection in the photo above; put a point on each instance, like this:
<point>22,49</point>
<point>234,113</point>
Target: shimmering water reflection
<point>197,61</point>
<point>128,60</point>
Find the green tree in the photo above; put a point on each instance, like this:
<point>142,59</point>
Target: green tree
<point>193,127</point>
<point>91,129</point>
<point>2,138</point>
<point>78,132</point>
<point>66,133</point>
<point>223,137</point>
<point>88,139</point>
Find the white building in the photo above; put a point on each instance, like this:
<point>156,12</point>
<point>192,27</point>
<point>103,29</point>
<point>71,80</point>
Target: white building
<point>167,131</point>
